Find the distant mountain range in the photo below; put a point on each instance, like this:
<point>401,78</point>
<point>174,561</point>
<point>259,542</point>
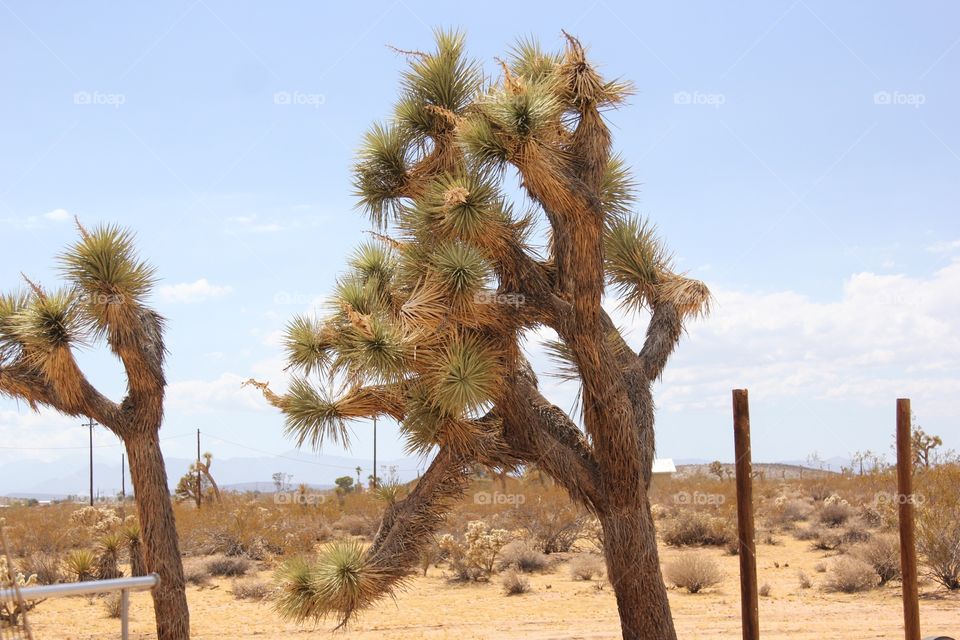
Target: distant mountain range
<point>70,476</point>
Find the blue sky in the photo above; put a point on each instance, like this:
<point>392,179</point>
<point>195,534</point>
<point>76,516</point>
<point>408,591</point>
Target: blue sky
<point>800,157</point>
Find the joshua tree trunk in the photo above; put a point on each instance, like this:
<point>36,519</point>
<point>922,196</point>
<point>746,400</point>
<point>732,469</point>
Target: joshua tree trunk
<point>629,545</point>
<point>161,546</point>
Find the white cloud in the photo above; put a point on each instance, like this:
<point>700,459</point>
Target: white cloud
<point>888,336</point>
<point>224,393</point>
<point>188,292</point>
<point>57,214</point>
<point>944,246</point>
<point>36,221</point>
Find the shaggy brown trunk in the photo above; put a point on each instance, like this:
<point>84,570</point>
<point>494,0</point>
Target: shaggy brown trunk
<point>161,548</point>
<point>630,547</point>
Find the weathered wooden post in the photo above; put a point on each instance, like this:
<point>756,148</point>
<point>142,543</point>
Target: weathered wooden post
<point>905,502</point>
<point>749,603</point>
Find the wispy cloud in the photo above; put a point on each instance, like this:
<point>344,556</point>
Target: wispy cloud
<point>253,223</point>
<point>190,292</point>
<point>944,246</point>
<point>36,221</point>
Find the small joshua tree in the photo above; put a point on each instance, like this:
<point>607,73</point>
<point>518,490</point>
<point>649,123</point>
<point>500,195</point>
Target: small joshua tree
<point>426,326</point>
<point>187,485</point>
<point>105,299</point>
<point>108,556</point>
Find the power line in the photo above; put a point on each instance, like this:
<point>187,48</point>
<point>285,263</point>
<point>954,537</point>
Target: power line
<point>96,446</point>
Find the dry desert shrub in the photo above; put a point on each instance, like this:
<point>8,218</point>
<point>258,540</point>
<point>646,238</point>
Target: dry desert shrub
<point>251,589</point>
<point>938,523</point>
<point>514,583</point>
<point>587,566</point>
<point>882,553</point>
<point>804,580</point>
<point>696,528</point>
<point>851,575</point>
<point>353,525</point>
<point>112,604</point>
<point>227,567</point>
<point>474,557</point>
<point>46,566</point>
<point>521,555</point>
<point>195,572</point>
<point>835,511</point>
<point>765,590</point>
<point>553,522</point>
<point>693,571</point>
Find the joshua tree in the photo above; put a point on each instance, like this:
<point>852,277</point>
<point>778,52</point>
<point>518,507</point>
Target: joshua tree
<point>187,485</point>
<point>104,299</point>
<point>426,325</point>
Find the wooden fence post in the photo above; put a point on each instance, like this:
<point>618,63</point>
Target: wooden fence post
<point>749,604</point>
<point>905,502</point>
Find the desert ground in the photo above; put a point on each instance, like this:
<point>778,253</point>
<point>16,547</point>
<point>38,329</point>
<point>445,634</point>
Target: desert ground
<point>557,607</point>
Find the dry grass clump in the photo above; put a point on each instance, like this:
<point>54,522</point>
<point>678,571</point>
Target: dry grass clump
<point>514,583</point>
<point>521,555</point>
<point>851,575</point>
<point>587,566</point>
<point>882,553</point>
<point>226,567</point>
<point>804,580</point>
<point>693,571</point>
<point>695,528</point>
<point>195,572</point>
<point>112,604</point>
<point>251,589</point>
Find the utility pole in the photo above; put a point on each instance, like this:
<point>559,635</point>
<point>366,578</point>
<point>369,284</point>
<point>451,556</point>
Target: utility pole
<point>90,424</point>
<point>199,495</point>
<point>375,483</point>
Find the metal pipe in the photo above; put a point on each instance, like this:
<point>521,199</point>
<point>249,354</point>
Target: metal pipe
<point>141,583</point>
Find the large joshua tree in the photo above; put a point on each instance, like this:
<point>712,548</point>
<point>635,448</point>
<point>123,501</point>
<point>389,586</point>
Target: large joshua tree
<point>426,325</point>
<point>104,299</point>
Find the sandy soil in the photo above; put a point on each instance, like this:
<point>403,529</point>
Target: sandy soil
<point>558,607</point>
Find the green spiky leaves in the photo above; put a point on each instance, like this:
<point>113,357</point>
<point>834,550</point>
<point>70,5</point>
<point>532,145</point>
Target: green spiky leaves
<point>634,260</point>
<point>381,176</point>
<point>437,87</point>
<point>106,269</point>
<point>313,416</point>
<point>465,376</point>
<point>338,583</point>
<point>308,349</point>
<point>467,207</point>
<point>44,324</point>
<point>461,269</point>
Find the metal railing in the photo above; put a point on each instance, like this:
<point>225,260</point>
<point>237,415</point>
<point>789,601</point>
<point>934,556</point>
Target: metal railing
<point>123,585</point>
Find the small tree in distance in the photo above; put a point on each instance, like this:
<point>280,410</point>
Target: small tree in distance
<point>426,326</point>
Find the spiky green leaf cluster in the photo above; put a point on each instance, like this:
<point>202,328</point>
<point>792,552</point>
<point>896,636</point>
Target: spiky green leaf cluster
<point>339,582</point>
<point>634,260</point>
<point>437,87</point>
<point>307,348</point>
<point>106,269</point>
<point>313,416</point>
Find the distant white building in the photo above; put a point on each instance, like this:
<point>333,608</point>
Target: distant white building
<point>663,466</point>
